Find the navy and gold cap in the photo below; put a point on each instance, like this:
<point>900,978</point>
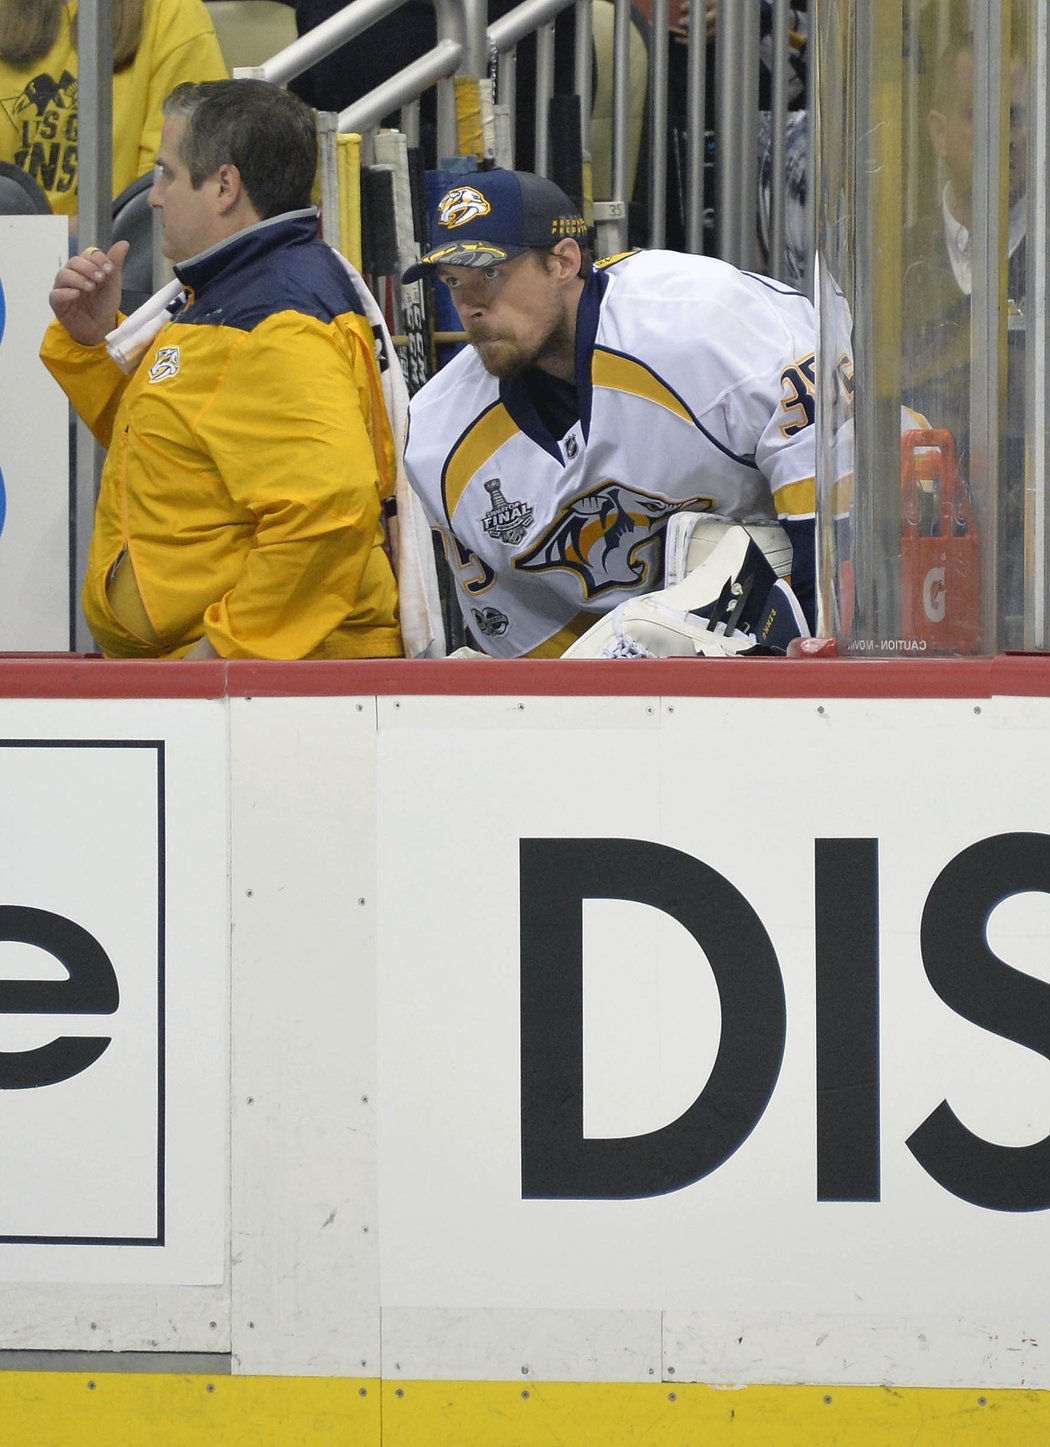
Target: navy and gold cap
<point>494,216</point>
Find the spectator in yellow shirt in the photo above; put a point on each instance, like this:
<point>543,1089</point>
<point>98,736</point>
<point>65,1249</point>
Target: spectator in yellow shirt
<point>157,45</point>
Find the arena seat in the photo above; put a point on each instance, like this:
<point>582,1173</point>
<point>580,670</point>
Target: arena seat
<point>133,221</point>
<point>20,195</point>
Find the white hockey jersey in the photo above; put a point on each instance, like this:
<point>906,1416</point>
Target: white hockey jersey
<point>695,391</point>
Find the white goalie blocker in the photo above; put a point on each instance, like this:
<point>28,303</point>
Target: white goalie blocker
<point>725,597</point>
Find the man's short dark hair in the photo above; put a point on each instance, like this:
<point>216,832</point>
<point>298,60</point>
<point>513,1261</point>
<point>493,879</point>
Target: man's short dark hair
<point>268,133</point>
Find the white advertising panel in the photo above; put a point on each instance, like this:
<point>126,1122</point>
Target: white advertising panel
<point>34,443</point>
<point>113,992</point>
<point>737,1009</point>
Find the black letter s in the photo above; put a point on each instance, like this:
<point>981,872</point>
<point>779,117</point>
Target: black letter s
<point>981,988</point>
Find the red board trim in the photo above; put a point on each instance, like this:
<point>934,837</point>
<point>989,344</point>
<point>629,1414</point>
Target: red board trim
<point>78,676</point>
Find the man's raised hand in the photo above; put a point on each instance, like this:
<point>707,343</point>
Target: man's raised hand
<point>86,293</point>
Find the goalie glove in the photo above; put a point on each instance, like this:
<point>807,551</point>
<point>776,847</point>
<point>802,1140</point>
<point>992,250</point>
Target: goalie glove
<point>691,537</point>
<point>733,604</point>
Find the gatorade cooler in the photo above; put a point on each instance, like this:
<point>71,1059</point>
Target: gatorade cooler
<point>940,558</point>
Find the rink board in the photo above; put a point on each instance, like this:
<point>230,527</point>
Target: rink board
<point>566,1048</point>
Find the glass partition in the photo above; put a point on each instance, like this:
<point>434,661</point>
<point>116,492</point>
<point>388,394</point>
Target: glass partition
<point>930,288</point>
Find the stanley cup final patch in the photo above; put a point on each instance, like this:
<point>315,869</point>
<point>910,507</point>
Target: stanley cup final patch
<point>165,364</point>
<point>507,522</point>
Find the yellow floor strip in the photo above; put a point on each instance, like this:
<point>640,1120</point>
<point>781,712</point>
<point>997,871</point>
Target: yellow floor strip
<point>488,1414</point>
<point>58,1409</point>
<point>110,1409</point>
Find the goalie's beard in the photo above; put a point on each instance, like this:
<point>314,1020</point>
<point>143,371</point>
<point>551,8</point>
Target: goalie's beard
<point>506,358</point>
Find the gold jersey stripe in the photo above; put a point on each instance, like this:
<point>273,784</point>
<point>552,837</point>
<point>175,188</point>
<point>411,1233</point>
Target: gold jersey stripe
<point>619,256</point>
<point>623,374</point>
<point>556,645</point>
<point>486,437</point>
<point>796,499</point>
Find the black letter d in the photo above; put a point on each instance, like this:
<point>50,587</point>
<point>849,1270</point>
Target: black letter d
<point>557,1161</point>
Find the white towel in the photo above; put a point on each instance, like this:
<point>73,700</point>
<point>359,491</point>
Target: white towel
<point>422,628</point>
<point>127,342</point>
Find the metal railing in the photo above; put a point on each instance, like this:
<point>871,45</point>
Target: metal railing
<point>95,225</point>
<point>465,45</point>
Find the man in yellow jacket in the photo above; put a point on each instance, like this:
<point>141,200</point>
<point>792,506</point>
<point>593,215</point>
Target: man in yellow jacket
<point>249,452</point>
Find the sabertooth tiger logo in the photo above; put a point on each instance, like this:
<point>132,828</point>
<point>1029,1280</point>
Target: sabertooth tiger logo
<point>611,538</point>
<point>460,205</point>
<point>507,522</point>
<point>165,364</point>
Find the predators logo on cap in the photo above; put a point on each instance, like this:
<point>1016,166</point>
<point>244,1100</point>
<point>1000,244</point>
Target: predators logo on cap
<point>460,205</point>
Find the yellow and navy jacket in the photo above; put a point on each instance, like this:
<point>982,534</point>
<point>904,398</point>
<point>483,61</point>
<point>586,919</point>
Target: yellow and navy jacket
<point>693,392</point>
<point>39,117</point>
<point>249,458</point>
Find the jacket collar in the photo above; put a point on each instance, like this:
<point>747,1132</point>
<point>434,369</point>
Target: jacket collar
<point>291,228</point>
